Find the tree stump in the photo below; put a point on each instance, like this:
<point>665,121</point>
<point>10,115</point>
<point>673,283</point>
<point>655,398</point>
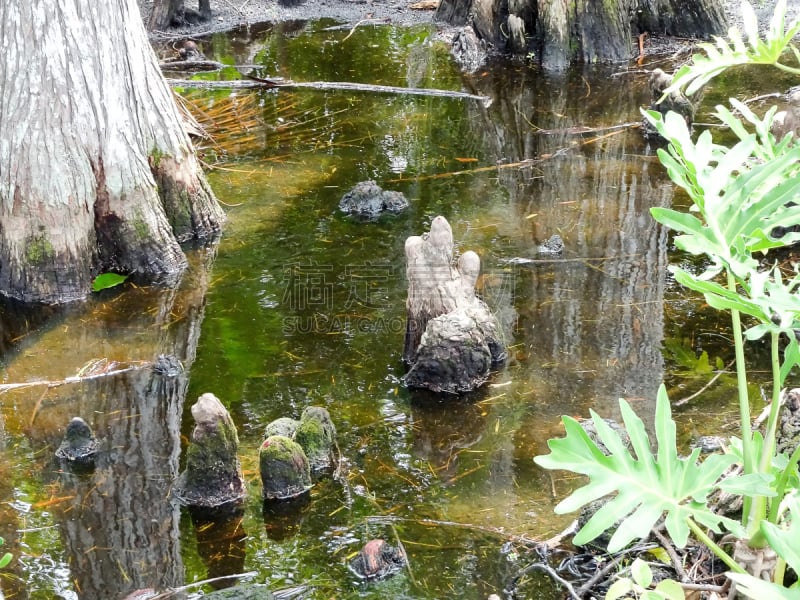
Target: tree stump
<point>675,101</point>
<point>79,445</point>
<point>377,560</point>
<point>213,475</point>
<point>285,472</point>
<point>368,200</point>
<point>452,338</point>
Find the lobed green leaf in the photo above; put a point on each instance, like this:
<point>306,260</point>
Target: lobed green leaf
<point>646,486</point>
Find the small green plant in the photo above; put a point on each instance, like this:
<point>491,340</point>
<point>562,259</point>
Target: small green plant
<point>107,280</point>
<point>637,586</point>
<point>741,195</point>
<point>6,558</point>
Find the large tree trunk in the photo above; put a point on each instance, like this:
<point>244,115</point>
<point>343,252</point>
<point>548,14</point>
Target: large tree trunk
<point>96,170</point>
<point>558,32</point>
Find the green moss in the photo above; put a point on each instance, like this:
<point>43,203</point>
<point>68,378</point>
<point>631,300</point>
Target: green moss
<point>211,453</point>
<point>316,433</point>
<point>155,157</point>
<point>38,249</point>
<point>284,467</point>
<point>180,213</point>
<point>312,437</point>
<point>139,225</point>
<point>279,448</point>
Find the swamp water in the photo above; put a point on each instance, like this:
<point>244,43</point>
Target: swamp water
<point>299,305</point>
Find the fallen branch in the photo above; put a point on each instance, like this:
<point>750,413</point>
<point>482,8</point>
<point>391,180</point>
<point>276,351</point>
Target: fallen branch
<point>361,22</point>
<point>519,539</point>
<point>254,83</point>
<point>131,366</point>
<point>540,566</point>
<point>199,65</point>
<point>191,65</point>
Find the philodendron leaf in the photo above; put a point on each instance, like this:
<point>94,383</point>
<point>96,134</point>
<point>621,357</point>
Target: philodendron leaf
<point>758,589</point>
<point>645,486</point>
<point>784,541</point>
<point>107,280</point>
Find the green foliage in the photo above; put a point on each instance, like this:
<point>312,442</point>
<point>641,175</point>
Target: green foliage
<point>6,558</point>
<point>741,195</point>
<point>723,55</point>
<point>646,486</point>
<point>107,280</point>
<point>688,361</point>
<point>637,586</point>
<point>758,589</point>
<point>739,200</point>
<point>784,541</point>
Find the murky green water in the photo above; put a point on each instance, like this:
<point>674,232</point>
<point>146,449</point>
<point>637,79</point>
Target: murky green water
<point>304,306</point>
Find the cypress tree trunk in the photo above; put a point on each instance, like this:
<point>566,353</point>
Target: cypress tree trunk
<point>96,170</point>
<point>561,31</point>
<point>166,13</point>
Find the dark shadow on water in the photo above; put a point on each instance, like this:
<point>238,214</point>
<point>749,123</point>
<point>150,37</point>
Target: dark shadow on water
<point>283,518</point>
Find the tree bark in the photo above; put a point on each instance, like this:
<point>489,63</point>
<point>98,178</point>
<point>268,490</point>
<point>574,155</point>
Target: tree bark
<point>96,170</point>
<point>558,32</point>
<point>119,528</point>
<point>167,13</point>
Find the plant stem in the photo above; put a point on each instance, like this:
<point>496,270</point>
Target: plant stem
<point>744,399</point>
<point>780,488</point>
<point>774,410</point>
<point>787,69</point>
<point>721,554</point>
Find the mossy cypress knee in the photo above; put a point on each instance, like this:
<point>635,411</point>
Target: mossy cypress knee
<point>79,444</point>
<point>285,426</point>
<point>213,474</point>
<point>316,434</point>
<point>284,468</point>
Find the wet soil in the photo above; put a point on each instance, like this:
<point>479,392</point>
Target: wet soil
<point>231,14</point>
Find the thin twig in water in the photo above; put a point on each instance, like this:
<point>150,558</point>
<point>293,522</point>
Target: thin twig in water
<point>485,529</point>
<point>553,575</point>
<point>170,593</point>
<point>600,574</point>
<point>711,381</point>
<point>134,365</point>
<point>361,22</point>
<point>763,97</point>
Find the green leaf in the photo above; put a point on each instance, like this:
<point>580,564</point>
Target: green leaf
<point>619,589</point>
<point>679,221</point>
<point>646,486</point>
<point>791,358</point>
<point>5,560</point>
<point>758,589</point>
<point>753,484</point>
<point>641,573</point>
<point>670,590</point>
<point>719,58</point>
<point>784,541</point>
<point>107,280</point>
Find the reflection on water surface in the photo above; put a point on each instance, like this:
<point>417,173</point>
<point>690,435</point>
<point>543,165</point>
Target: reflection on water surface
<point>299,305</point>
